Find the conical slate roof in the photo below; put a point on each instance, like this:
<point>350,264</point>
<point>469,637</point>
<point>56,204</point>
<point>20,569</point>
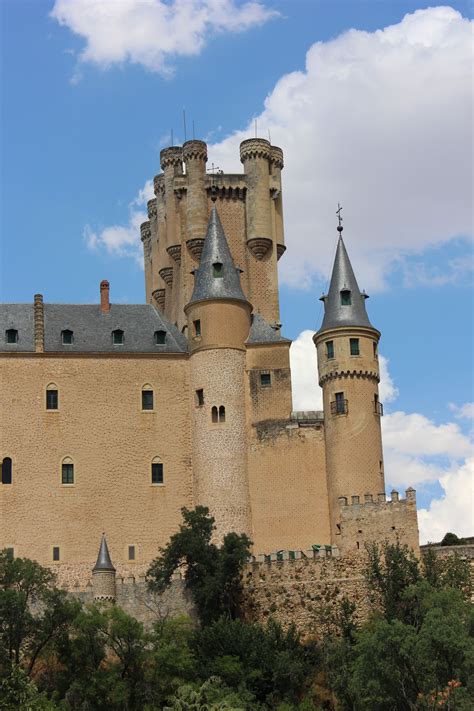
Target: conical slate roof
<point>103,559</point>
<point>337,314</point>
<point>216,252</point>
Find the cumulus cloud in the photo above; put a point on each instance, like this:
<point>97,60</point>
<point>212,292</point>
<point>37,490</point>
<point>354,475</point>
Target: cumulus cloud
<point>307,395</point>
<point>123,240</point>
<point>465,411</point>
<point>152,32</point>
<point>381,121</point>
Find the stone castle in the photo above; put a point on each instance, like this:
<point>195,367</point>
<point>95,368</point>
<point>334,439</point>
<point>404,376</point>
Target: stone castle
<point>114,417</point>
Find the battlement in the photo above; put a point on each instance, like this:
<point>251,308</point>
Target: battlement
<point>410,495</point>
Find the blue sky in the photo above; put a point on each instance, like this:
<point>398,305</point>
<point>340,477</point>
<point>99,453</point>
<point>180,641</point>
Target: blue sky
<point>370,103</point>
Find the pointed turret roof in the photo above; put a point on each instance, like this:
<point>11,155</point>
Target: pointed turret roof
<point>216,252</point>
<point>336,312</point>
<point>103,559</point>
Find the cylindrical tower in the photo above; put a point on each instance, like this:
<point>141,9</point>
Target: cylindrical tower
<point>171,161</point>
<point>218,325</point>
<point>195,158</point>
<point>255,154</point>
<point>348,368</point>
<point>276,166</point>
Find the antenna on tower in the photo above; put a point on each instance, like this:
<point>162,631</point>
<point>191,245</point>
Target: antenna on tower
<point>339,217</point>
<point>172,137</point>
<point>255,128</point>
<point>269,136</point>
<point>184,122</point>
<point>193,130</point>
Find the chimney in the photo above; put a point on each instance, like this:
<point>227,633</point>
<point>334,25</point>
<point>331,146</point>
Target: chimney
<point>39,323</point>
<point>104,296</point>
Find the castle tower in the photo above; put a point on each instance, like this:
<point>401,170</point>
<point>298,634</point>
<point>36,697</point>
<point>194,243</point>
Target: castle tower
<point>103,574</point>
<point>169,237</point>
<point>264,222</point>
<point>218,324</point>
<point>348,368</point>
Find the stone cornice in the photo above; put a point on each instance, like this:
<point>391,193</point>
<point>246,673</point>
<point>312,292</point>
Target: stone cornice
<point>171,156</point>
<point>335,374</point>
<point>196,150</point>
<point>254,148</point>
<point>276,157</point>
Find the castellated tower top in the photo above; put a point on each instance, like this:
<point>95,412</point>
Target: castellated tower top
<point>344,304</point>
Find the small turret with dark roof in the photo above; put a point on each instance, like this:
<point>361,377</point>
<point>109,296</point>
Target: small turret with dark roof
<point>216,277</point>
<point>103,559</point>
<point>344,304</point>
<point>103,574</point>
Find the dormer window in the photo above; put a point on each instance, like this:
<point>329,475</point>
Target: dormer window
<point>117,337</point>
<point>67,337</point>
<point>11,335</point>
<point>346,297</point>
<point>160,338</point>
<point>217,271</point>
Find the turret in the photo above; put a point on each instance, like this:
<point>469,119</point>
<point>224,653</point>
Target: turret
<point>103,574</point>
<point>347,346</point>
<point>171,160</point>
<point>218,324</point>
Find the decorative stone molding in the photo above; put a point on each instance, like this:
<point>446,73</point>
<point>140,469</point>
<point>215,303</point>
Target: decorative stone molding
<point>276,157</point>
<point>195,150</point>
<point>226,192</point>
<point>175,252</point>
<point>159,296</point>
<point>369,375</point>
<point>254,148</point>
<point>195,246</point>
<point>275,193</point>
<point>281,249</point>
<point>167,275</point>
<point>151,208</point>
<point>171,156</point>
<point>259,246</point>
<point>145,231</point>
<point>159,184</point>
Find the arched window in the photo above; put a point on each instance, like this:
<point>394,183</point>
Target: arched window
<point>117,337</point>
<point>346,297</point>
<point>7,471</point>
<point>147,397</point>
<point>11,335</point>
<point>67,337</point>
<point>160,338</point>
<point>52,397</point>
<point>217,271</point>
<point>157,472</point>
<point>67,471</point>
<point>222,413</point>
<point>214,414</point>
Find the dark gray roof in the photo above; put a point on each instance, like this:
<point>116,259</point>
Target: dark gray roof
<point>335,314</point>
<point>262,332</point>
<point>92,329</point>
<point>103,559</point>
<point>20,317</point>
<point>216,250</point>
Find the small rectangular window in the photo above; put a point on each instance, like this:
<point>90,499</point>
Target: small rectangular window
<point>160,338</point>
<point>67,337</point>
<point>10,554</point>
<point>157,473</point>
<point>330,349</point>
<point>12,335</point>
<point>117,337</point>
<point>197,327</point>
<point>265,380</point>
<point>7,471</point>
<point>147,399</point>
<point>131,552</point>
<point>51,399</point>
<point>340,404</point>
<point>199,397</point>
<point>67,473</point>
<point>346,297</point>
<point>354,346</point>
<point>217,272</point>
<point>56,556</point>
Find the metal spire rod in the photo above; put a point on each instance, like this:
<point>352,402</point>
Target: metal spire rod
<point>339,217</point>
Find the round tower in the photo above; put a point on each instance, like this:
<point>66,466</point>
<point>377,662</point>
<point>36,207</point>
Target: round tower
<point>171,161</point>
<point>347,346</point>
<point>103,574</point>
<point>218,324</point>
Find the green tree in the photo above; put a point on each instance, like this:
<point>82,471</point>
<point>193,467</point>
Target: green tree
<point>17,691</point>
<point>450,539</point>
<point>212,574</point>
<point>391,568</point>
<point>212,695</point>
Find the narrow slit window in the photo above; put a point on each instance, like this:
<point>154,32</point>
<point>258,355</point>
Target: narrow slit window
<point>67,473</point>
<point>157,473</point>
<point>67,337</point>
<point>265,380</point>
<point>330,349</point>
<point>56,554</point>
<point>346,297</point>
<point>217,270</point>
<point>354,346</point>
<point>10,554</point>
<point>52,400</point>
<point>222,413</point>
<point>214,414</point>
<point>160,338</point>
<point>11,335</point>
<point>375,349</point>
<point>197,327</point>
<point>7,471</point>
<point>199,397</point>
<point>147,399</point>
<point>131,552</point>
<point>117,337</point>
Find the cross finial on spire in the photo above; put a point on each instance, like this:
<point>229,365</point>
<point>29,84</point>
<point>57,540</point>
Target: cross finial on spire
<point>339,217</point>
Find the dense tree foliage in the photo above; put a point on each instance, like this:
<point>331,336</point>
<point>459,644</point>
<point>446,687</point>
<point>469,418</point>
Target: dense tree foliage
<point>450,539</point>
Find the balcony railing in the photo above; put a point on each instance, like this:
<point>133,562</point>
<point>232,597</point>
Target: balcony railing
<point>339,407</point>
<point>378,408</point>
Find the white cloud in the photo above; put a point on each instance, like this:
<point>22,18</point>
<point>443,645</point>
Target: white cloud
<point>453,512</point>
<point>387,390</point>
<point>465,411</point>
<point>381,121</point>
<point>307,395</point>
<point>416,435</point>
<point>152,32</point>
<point>123,240</point>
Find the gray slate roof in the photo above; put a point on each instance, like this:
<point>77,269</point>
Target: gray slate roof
<point>335,314</point>
<point>262,332</point>
<point>103,559</point>
<point>216,250</point>
<point>92,329</point>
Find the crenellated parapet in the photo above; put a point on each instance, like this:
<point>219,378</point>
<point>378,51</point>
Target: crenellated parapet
<point>151,209</point>
<point>195,150</point>
<point>334,374</point>
<point>276,157</point>
<point>159,185</point>
<point>256,148</point>
<point>172,156</point>
<point>145,234</point>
